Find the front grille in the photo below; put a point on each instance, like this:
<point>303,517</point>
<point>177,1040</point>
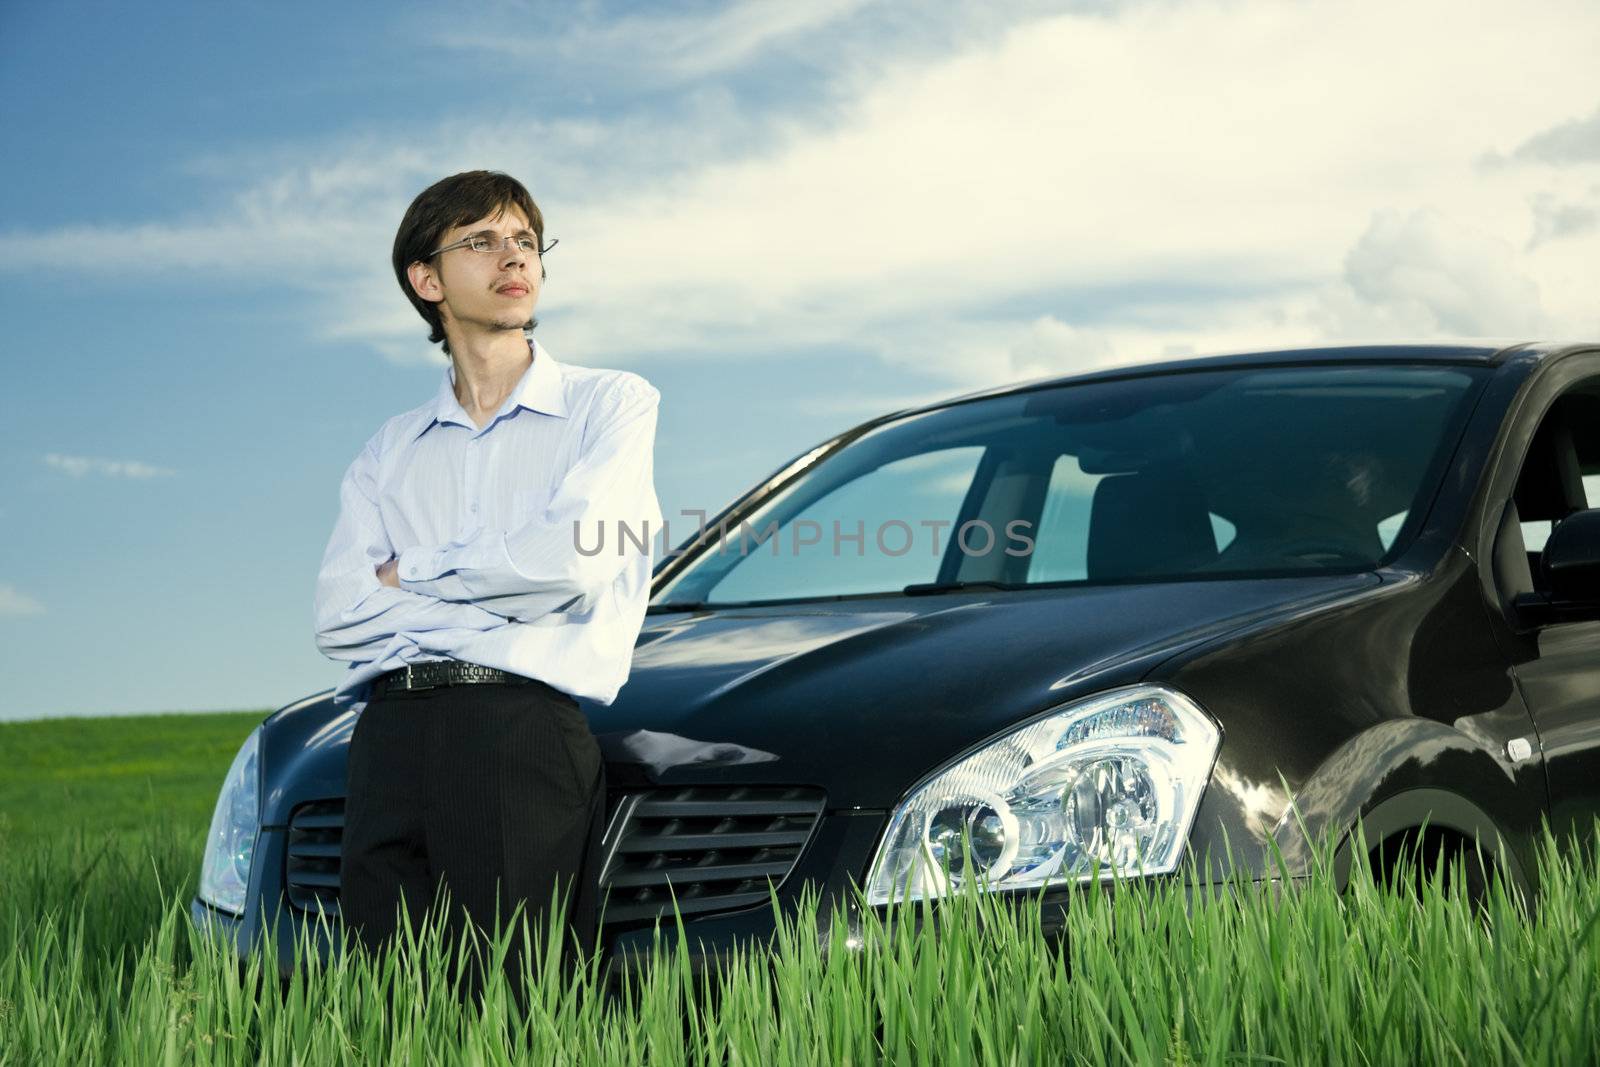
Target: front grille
<point>311,864</point>
<point>713,847</point>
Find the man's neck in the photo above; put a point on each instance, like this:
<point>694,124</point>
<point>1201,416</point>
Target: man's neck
<point>487,369</point>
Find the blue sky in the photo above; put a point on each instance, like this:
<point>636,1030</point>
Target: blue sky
<point>787,217</point>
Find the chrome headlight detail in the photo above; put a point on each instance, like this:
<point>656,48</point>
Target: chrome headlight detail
<point>1112,781</point>
<point>231,842</point>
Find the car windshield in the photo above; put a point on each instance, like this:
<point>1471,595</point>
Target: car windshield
<point>1243,472</point>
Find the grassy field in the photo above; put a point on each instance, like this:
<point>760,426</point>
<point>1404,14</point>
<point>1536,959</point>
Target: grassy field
<point>102,966</point>
<point>115,775</point>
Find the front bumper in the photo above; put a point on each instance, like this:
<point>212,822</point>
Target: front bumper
<point>841,849</point>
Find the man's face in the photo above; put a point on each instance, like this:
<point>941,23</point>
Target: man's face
<point>488,291</point>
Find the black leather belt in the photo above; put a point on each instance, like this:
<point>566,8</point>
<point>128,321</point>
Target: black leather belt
<point>434,673</point>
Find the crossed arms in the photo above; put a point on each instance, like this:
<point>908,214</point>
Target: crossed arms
<point>489,576</point>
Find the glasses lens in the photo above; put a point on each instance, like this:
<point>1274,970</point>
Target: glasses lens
<point>495,244</point>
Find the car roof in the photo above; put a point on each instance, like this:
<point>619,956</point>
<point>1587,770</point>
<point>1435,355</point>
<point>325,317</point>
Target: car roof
<point>1487,353</point>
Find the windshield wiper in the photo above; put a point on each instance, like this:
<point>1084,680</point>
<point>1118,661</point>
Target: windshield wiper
<point>932,588</point>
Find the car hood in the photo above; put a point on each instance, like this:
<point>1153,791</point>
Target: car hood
<point>865,697</point>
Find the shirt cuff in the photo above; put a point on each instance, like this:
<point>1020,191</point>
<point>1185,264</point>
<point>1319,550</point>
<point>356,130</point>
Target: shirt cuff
<point>417,564</point>
<point>419,571</point>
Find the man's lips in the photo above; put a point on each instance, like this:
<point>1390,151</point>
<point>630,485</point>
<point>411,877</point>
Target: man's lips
<point>513,290</point>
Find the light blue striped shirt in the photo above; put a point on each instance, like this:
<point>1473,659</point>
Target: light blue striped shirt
<point>496,531</point>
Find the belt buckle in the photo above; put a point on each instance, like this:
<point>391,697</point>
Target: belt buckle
<point>413,683</point>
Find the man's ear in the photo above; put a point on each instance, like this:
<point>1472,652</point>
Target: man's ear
<point>424,282</point>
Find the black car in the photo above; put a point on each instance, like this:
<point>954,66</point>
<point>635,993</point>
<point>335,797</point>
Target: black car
<point>1114,620</point>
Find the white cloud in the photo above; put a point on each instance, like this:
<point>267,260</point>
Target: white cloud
<point>667,47</point>
<point>15,602</point>
<point>1554,218</point>
<point>1576,141</point>
<point>415,351</point>
<point>1076,152</point>
<point>864,406</point>
<point>1049,346</point>
<point>979,352</point>
<point>79,466</point>
<point>1316,168</point>
<point>1422,274</point>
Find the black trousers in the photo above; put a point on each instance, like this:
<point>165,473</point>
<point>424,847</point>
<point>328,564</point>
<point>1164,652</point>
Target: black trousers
<point>495,792</point>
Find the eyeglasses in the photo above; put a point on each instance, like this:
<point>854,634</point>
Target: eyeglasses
<point>490,243</point>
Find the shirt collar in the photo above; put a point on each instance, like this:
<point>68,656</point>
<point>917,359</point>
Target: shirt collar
<point>539,389</point>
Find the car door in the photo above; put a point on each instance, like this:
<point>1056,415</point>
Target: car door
<point>1556,664</point>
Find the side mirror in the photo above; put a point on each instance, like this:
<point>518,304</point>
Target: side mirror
<point>1570,567</point>
<point>1571,558</point>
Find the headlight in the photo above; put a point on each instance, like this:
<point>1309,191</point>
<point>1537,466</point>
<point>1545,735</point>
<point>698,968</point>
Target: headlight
<point>225,871</point>
<point>1112,780</point>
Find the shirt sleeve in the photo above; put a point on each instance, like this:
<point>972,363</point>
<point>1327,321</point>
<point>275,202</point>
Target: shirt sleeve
<point>356,615</point>
<point>601,518</point>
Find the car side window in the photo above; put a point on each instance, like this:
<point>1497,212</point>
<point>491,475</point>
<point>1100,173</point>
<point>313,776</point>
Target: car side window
<point>1389,528</point>
<point>1560,475</point>
<point>1061,552</point>
<point>1062,544</point>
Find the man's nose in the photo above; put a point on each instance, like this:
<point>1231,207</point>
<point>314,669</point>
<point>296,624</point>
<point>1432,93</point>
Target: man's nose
<point>512,253</point>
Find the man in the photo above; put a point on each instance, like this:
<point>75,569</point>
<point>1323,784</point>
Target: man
<point>455,587</point>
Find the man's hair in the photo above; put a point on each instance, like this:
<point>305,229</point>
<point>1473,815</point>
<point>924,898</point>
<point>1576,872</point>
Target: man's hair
<point>447,203</point>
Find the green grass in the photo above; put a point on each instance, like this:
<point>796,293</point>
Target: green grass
<point>109,971</point>
<point>115,774</point>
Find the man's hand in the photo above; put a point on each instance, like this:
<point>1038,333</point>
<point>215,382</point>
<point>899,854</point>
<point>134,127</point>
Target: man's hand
<point>389,573</point>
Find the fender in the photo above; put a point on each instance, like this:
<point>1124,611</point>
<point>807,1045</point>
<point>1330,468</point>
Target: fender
<point>1413,809</point>
<point>1403,774</point>
<point>1392,776</point>
<point>303,749</point>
